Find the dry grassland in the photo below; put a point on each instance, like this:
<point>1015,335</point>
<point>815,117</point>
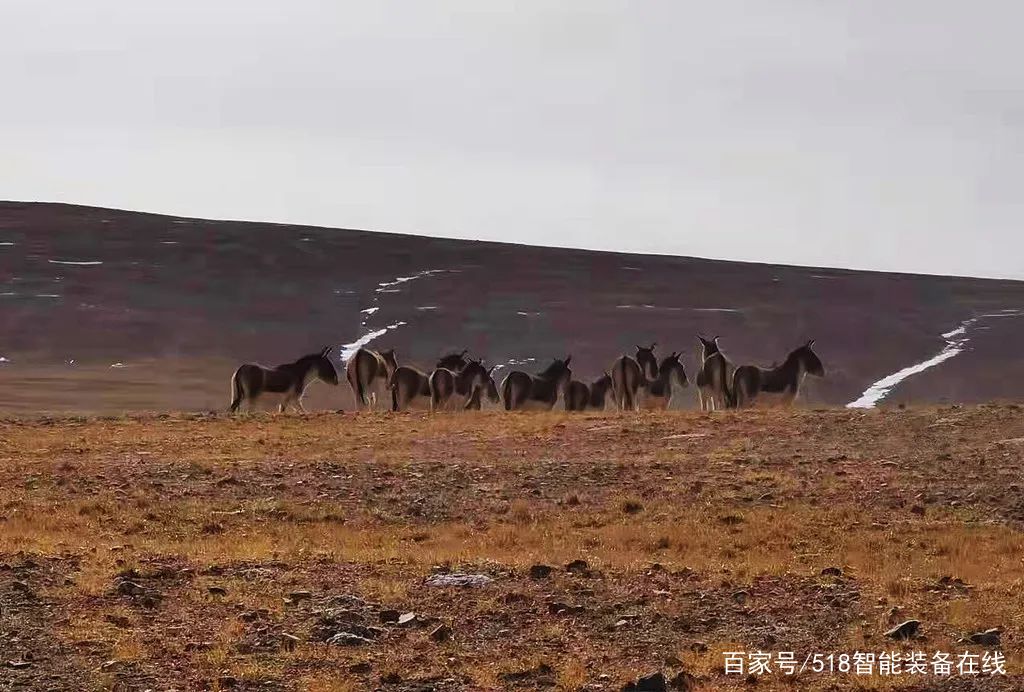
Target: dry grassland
<point>207,552</point>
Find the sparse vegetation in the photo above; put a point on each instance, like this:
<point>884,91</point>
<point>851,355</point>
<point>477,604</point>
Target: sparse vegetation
<point>204,551</point>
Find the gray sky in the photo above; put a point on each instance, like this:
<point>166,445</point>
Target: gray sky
<point>882,134</point>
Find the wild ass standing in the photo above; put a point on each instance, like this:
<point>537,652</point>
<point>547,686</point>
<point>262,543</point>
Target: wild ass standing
<point>523,391</point>
<point>713,376</point>
<point>410,386</point>
<point>291,379</point>
<point>629,373</point>
<point>580,397</point>
<point>369,373</point>
<point>450,389</point>
<point>475,402</point>
<point>453,361</point>
<point>658,393</point>
<point>779,385</point>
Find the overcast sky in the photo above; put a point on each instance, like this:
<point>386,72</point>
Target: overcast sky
<point>882,134</point>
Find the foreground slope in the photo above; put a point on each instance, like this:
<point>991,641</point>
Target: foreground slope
<point>198,551</point>
<point>174,304</point>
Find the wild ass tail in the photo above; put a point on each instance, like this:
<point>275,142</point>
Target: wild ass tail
<point>506,394</point>
<point>236,391</point>
<point>728,387</point>
<point>357,386</point>
<point>732,392</point>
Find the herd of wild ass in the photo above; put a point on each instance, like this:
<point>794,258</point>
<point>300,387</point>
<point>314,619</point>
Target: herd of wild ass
<point>460,382</point>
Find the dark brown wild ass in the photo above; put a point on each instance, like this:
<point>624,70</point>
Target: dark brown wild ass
<point>778,385</point>
<point>628,374</point>
<point>290,380</point>
<point>713,376</point>
<point>580,396</point>
<point>369,373</point>
<point>410,386</point>
<point>523,391</point>
<point>491,391</point>
<point>456,390</point>
<point>657,394</point>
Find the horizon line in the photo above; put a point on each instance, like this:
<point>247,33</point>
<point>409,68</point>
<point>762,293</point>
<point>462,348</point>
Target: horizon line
<point>464,238</point>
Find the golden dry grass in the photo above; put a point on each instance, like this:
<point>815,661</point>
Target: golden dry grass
<point>707,533</point>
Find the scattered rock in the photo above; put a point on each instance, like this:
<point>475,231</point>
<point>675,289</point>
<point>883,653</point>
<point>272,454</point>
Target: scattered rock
<point>683,681</point>
<point>331,621</point>
<point>348,639</point>
<point>21,586</point>
<point>198,646</point>
<point>389,616</point>
<point>990,637</point>
<point>227,682</point>
<point>655,682</point>
<point>391,678</point>
<point>459,579</point>
<point>360,668</point>
<point>948,582</point>
<point>904,630</point>
<point>540,571</point>
<point>126,587</point>
<point>289,641</point>
<point>699,647</point>
<point>118,620</point>
<point>559,608</point>
<point>578,567</point>
<point>217,591</point>
<point>832,572</point>
<point>540,675</point>
<point>148,598</point>
<point>441,633</point>
<point>298,596</point>
<point>110,665</point>
<point>408,620</point>
<point>918,510</point>
<point>18,664</point>
<point>632,507</point>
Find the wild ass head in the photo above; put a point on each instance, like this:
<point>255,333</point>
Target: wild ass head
<point>709,347</point>
<point>453,361</point>
<point>321,363</point>
<point>809,360</point>
<point>648,362</point>
<point>558,372</point>
<point>670,367</point>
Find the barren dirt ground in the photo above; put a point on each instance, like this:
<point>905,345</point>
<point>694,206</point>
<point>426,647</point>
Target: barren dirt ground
<point>286,552</point>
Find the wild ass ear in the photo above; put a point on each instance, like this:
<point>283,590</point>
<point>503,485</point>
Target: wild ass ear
<point>810,343</point>
<point>716,338</point>
<point>567,359</point>
<point>326,351</point>
<point>653,344</point>
<point>464,352</point>
<point>490,370</point>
